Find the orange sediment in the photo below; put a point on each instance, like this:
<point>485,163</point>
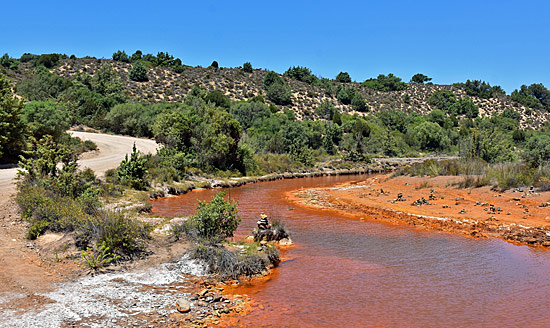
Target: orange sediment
<point>436,204</point>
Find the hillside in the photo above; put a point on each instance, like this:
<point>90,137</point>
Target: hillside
<point>166,85</point>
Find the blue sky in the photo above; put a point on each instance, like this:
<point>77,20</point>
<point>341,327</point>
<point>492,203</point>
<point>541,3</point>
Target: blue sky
<point>502,42</point>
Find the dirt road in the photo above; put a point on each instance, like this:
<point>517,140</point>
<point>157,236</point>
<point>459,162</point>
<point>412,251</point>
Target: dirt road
<point>22,272</point>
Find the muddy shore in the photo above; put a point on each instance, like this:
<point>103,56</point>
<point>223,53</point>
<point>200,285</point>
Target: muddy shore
<point>520,216</point>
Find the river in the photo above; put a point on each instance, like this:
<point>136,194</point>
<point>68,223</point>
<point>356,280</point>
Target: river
<point>349,273</point>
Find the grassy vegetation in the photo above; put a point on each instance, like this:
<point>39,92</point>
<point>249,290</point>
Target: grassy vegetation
<point>478,173</point>
<point>207,230</point>
<point>53,195</point>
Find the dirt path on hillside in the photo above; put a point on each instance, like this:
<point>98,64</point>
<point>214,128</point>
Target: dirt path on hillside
<point>22,271</point>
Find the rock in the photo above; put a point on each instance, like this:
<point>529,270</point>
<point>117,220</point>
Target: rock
<point>263,242</point>
<point>285,242</point>
<point>183,305</point>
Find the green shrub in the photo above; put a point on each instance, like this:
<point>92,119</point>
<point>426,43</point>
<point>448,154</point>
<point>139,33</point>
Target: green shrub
<point>279,94</point>
<point>358,103</point>
<point>247,67</point>
<point>131,172</point>
<point>420,78</point>
<point>385,83</point>
<point>301,74</point>
<point>12,129</point>
<point>138,72</point>
<point>217,98</point>
<point>343,77</point>
<point>217,219</point>
<point>49,60</point>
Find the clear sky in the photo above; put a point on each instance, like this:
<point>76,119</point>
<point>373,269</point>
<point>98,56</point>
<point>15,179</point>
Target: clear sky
<point>503,42</point>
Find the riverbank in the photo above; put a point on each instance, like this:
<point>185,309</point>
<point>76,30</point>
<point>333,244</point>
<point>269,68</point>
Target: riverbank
<point>519,216</point>
<point>379,165</point>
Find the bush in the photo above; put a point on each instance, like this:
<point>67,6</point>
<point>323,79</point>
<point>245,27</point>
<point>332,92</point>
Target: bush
<point>386,83</point>
<point>49,60</point>
<point>121,56</point>
<point>420,78</point>
<point>138,72</point>
<point>343,77</point>
<point>481,89</point>
<point>214,64</point>
<point>217,219</point>
<point>46,117</point>
<point>301,74</point>
<point>537,150</point>
<point>131,172</point>
<point>534,96</point>
<point>12,129</point>
<point>279,94</point>
<point>358,103</point>
<point>430,136</point>
<point>247,67</point>
<point>218,99</point>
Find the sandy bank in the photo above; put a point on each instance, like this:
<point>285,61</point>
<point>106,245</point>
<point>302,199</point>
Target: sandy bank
<point>518,216</point>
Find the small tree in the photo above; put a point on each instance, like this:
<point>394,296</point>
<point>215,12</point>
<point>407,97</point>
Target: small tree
<point>358,103</point>
<point>247,67</point>
<point>138,72</point>
<point>214,64</point>
<point>12,129</point>
<point>420,78</point>
<point>343,77</point>
<point>217,219</point>
<point>132,171</point>
<point>121,56</point>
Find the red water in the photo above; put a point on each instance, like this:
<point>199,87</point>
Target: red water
<point>347,273</point>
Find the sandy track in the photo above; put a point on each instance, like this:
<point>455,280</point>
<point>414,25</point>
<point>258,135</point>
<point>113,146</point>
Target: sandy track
<point>111,151</point>
<point>21,269</point>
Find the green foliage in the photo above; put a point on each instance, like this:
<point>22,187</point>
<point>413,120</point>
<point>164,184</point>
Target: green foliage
<point>28,57</point>
<point>465,106</point>
<point>534,96</point>
<point>131,172</point>
<point>248,112</point>
<point>276,89</point>
<point>537,150</point>
<point>420,78</point>
<point>9,63</point>
<point>46,117</point>
<point>345,94</point>
<point>217,219</point>
<point>481,89</point>
<point>358,102</point>
<point>121,56</point>
<point>136,56</point>
<point>217,98</point>
<point>430,136</point>
<point>326,109</point>
<point>271,78</point>
<point>394,119</point>
<point>12,129</point>
<point>443,99</point>
<point>98,258</point>
<point>43,85</point>
<point>343,77</point>
<point>386,83</point>
<point>279,94</point>
<point>247,67</point>
<point>49,60</point>
<point>301,74</point>
<point>106,82</point>
<point>138,72</point>
<point>134,119</point>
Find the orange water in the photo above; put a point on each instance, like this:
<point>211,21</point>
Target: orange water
<point>347,273</point>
